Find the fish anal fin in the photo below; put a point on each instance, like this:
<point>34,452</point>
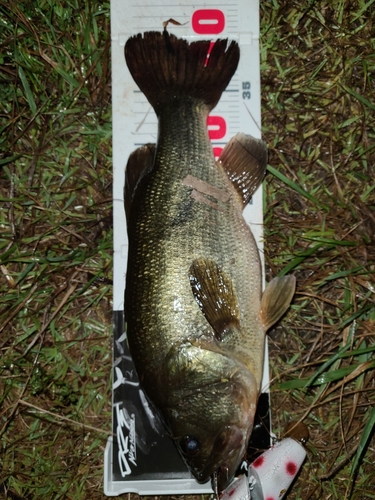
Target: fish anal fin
<point>244,159</point>
<point>213,291</point>
<point>139,163</point>
<point>276,299</point>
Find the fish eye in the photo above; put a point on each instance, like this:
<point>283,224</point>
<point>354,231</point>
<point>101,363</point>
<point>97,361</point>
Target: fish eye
<point>189,445</point>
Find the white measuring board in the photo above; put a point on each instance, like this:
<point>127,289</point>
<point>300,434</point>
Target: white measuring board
<point>140,457</point>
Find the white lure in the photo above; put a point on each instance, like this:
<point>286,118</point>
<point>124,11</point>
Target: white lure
<point>270,475</point>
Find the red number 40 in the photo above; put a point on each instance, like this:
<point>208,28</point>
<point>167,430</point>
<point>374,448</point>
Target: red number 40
<point>211,22</point>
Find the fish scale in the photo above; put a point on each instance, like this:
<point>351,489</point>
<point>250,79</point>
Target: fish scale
<point>221,236</point>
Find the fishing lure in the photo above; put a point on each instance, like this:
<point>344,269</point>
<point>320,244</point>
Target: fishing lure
<point>270,475</point>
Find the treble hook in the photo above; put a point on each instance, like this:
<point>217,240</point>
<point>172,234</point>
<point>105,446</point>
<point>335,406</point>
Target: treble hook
<point>214,484</point>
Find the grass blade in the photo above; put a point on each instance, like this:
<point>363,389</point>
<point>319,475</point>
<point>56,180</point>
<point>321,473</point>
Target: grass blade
<point>28,93</point>
<point>292,185</point>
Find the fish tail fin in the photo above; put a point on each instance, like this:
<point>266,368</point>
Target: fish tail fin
<point>166,67</point>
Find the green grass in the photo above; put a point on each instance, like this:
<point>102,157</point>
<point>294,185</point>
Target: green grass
<point>318,62</point>
<point>318,100</point>
<point>55,248</point>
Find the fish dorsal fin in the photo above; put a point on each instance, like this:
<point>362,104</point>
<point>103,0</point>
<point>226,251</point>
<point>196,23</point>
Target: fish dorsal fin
<point>244,159</point>
<point>276,299</point>
<point>213,290</point>
<point>139,162</point>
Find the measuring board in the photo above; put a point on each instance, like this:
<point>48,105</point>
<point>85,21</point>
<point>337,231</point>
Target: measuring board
<point>141,457</point>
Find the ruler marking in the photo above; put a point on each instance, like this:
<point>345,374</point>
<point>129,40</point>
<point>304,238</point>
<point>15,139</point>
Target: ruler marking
<point>141,16</point>
<point>178,5</point>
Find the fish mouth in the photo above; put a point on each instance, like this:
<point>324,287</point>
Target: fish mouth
<point>225,458</point>
<point>223,476</point>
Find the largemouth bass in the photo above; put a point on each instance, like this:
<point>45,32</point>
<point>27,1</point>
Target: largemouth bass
<point>195,314</point>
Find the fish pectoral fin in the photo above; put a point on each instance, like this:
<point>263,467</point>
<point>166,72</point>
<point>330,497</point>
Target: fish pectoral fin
<point>139,162</point>
<point>244,160</point>
<point>276,299</point>
<point>213,291</point>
